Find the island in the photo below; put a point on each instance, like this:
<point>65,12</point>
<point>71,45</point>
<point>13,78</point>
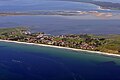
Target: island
<point>108,43</point>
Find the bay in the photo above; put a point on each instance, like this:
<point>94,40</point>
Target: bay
<point>57,25</point>
<point>32,5</point>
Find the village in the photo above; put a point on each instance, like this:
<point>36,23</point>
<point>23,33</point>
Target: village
<point>79,41</point>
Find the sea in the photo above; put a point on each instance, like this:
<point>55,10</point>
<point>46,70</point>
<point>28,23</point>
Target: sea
<point>29,62</point>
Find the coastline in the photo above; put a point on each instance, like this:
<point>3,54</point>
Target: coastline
<point>60,47</point>
<point>101,8</point>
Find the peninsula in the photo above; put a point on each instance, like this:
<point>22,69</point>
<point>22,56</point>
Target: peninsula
<point>102,4</point>
<point>109,44</point>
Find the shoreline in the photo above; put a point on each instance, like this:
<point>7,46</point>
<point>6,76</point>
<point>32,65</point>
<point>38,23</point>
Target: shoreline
<point>60,47</point>
<point>101,8</point>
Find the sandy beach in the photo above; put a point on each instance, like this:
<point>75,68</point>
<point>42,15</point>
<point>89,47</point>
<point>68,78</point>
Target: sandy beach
<point>100,8</point>
<point>44,45</point>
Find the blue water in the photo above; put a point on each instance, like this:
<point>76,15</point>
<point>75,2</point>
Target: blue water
<point>36,5</point>
<point>57,25</point>
<point>32,5</point>
<point>27,62</point>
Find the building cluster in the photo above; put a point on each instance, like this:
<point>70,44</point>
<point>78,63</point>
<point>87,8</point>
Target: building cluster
<point>82,41</point>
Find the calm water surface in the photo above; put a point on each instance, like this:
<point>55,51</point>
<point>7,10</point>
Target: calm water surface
<point>57,24</point>
<point>27,62</point>
<point>63,25</point>
<point>31,5</point>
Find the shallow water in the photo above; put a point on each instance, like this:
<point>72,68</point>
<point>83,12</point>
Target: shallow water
<point>57,25</point>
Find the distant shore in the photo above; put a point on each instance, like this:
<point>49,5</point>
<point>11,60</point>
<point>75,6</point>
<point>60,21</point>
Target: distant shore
<point>101,8</point>
<point>44,45</point>
<point>62,13</point>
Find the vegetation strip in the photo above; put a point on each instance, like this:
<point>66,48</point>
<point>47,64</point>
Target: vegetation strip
<point>110,44</point>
